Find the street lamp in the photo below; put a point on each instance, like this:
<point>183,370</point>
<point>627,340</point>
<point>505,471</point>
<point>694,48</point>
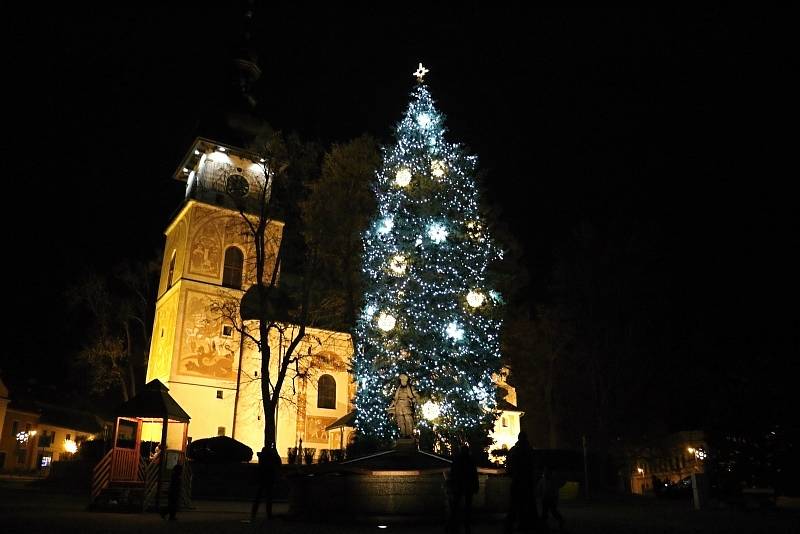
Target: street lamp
<point>699,454</point>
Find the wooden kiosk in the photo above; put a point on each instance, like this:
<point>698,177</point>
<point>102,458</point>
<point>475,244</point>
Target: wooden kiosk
<point>132,477</point>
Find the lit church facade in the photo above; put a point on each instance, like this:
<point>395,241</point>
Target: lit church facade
<point>210,369</point>
<point>198,353</point>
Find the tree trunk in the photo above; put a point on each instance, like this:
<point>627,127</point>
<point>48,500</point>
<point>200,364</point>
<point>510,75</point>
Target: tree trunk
<point>123,385</point>
<point>549,394</point>
<point>269,422</point>
<point>131,370</point>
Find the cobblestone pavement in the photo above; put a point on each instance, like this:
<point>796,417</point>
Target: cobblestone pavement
<point>25,509</point>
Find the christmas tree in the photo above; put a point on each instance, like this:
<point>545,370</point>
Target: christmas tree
<point>430,311</point>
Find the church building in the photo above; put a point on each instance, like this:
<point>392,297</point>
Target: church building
<point>198,353</point>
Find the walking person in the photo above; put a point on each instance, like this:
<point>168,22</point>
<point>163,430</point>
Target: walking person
<point>174,494</point>
<point>463,484</point>
<point>548,489</point>
<point>520,469</point>
<point>269,462</point>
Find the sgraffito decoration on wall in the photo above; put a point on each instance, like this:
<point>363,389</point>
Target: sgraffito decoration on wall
<point>205,351</point>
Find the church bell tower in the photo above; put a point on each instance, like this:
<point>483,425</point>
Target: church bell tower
<point>209,257</point>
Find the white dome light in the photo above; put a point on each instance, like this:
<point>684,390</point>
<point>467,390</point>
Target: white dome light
<point>403,177</point>
<point>475,298</point>
<point>398,264</point>
<point>438,168</point>
<point>386,322</point>
<point>431,410</point>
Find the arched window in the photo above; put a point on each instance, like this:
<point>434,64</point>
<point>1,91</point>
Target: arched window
<point>326,392</point>
<point>232,274</point>
<point>171,270</point>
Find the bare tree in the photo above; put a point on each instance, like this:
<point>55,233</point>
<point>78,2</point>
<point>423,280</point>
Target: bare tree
<point>137,309</point>
<point>107,352</point>
<point>274,313</point>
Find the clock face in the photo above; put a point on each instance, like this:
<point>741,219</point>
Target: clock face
<point>237,185</point>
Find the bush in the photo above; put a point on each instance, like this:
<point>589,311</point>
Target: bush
<point>323,456</point>
<point>291,455</point>
<point>308,455</point>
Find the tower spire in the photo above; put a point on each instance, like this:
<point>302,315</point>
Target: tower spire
<point>232,117</point>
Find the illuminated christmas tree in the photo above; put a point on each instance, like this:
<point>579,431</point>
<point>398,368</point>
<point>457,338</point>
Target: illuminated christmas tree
<point>430,309</point>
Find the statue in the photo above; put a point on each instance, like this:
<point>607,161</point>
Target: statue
<point>403,406</point>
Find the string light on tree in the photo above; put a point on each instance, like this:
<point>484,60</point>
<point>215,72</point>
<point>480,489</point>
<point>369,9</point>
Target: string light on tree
<point>448,349</point>
<point>385,226</point>
<point>454,331</point>
<point>424,120</point>
<point>437,232</point>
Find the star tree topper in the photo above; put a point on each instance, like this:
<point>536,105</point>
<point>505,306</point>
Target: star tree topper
<point>420,72</point>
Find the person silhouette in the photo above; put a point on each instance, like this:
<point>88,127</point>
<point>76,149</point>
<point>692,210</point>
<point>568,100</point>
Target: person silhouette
<point>548,488</point>
<point>463,484</point>
<point>269,462</point>
<point>520,468</point>
<point>155,452</point>
<point>174,494</point>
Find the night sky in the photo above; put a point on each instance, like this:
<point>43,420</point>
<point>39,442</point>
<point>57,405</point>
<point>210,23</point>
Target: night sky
<point>677,119</point>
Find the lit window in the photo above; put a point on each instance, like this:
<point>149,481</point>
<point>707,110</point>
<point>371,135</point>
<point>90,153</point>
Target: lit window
<point>46,440</point>
<point>326,392</point>
<point>46,461</point>
<point>171,270</point>
<point>232,273</point>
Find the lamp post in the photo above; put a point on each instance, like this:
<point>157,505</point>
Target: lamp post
<point>640,472</point>
<point>698,454</point>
